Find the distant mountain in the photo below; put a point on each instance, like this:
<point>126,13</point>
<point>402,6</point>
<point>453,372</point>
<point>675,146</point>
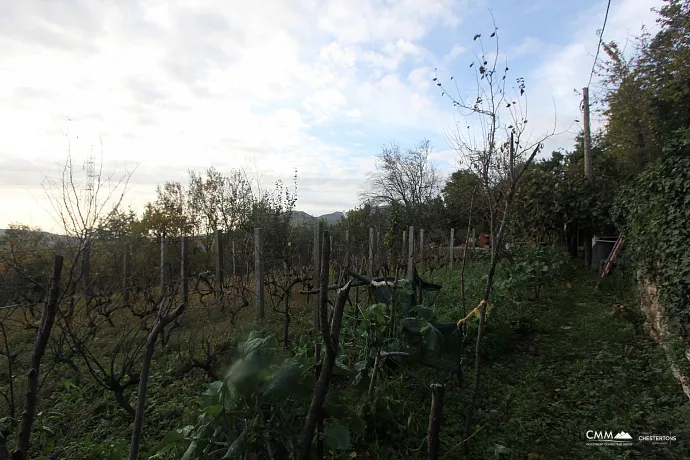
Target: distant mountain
<point>301,217</point>
<point>333,218</point>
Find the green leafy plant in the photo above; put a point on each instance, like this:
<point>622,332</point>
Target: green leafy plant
<point>252,410</point>
<point>654,214</point>
<point>529,270</point>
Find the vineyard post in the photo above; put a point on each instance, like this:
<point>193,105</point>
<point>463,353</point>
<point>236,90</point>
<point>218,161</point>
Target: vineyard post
<point>126,274</point>
<point>234,260</point>
<point>318,238</point>
<point>371,253</point>
<point>435,420</point>
<point>347,249</point>
<point>319,422</point>
<point>259,272</point>
<point>332,262</point>
<point>378,256</point>
<point>410,266</point>
<point>421,250</point>
<point>218,287</point>
<point>165,275</point>
<point>401,260</point>
<point>451,251</point>
<point>410,254</point>
<point>184,268</point>
<point>86,267</point>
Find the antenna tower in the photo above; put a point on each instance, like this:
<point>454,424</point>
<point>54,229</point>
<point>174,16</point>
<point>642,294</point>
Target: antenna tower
<point>90,166</point>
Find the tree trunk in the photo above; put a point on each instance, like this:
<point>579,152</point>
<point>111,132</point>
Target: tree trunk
<point>496,249</point>
<point>161,321</point>
<point>42,337</point>
<point>122,401</point>
<point>321,388</point>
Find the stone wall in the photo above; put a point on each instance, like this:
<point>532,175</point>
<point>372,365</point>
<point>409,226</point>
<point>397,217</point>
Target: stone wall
<point>655,325</point>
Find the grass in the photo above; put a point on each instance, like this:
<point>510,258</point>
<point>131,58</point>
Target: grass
<point>553,368</point>
<point>570,362</point>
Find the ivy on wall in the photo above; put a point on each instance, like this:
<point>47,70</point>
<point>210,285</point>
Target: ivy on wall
<point>654,214</point>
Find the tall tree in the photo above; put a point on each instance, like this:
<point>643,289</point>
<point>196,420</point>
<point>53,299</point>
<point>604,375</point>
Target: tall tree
<point>169,214</point>
<point>220,201</point>
<point>457,195</point>
<point>406,178</point>
<point>499,155</point>
<point>647,96</point>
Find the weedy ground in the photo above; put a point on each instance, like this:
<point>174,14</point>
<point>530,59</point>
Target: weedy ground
<point>556,362</point>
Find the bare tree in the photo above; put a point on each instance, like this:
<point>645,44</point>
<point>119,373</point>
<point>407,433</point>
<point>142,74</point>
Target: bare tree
<point>408,178</point>
<point>167,313</point>
<point>32,384</point>
<point>495,146</point>
<point>79,206</point>
<point>330,333</point>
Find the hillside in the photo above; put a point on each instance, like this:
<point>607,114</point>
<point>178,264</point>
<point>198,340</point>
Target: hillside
<point>301,217</point>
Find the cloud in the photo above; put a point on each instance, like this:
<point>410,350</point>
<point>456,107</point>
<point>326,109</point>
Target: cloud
<point>554,85</point>
<point>386,22</point>
<point>273,86</point>
<point>454,52</point>
<point>529,46</point>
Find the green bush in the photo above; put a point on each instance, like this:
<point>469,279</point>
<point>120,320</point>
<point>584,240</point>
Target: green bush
<point>654,214</point>
<point>529,270</point>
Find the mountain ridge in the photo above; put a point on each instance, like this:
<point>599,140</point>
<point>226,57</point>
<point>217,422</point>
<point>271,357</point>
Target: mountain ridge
<point>301,217</point>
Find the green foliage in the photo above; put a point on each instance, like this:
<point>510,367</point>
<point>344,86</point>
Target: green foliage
<point>169,214</point>
<point>253,409</point>
<point>654,214</point>
<point>460,190</point>
<point>337,436</point>
<point>554,194</point>
<point>118,226</point>
<point>529,270</point>
<point>647,95</point>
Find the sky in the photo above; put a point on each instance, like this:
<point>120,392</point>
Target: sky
<point>271,86</point>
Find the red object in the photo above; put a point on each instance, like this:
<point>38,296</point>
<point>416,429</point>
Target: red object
<point>484,239</point>
<point>612,257</point>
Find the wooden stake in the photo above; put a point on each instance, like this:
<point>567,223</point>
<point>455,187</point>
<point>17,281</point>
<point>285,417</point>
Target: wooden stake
<point>259,272</point>
<point>220,272</point>
<point>450,248</point>
<point>126,274</point>
<point>421,250</point>
<point>435,420</point>
<point>371,253</point>
<point>165,273</point>
<point>184,269</point>
<point>318,242</point>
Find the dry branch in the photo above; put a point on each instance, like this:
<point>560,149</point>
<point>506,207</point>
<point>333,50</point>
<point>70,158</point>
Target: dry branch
<point>42,336</point>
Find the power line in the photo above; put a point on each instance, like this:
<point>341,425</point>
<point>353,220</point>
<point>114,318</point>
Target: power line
<point>601,36</point>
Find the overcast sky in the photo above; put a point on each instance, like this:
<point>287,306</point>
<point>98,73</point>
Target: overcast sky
<point>270,85</point>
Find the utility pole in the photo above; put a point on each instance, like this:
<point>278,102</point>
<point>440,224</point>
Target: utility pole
<point>588,137</point>
<point>588,173</point>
